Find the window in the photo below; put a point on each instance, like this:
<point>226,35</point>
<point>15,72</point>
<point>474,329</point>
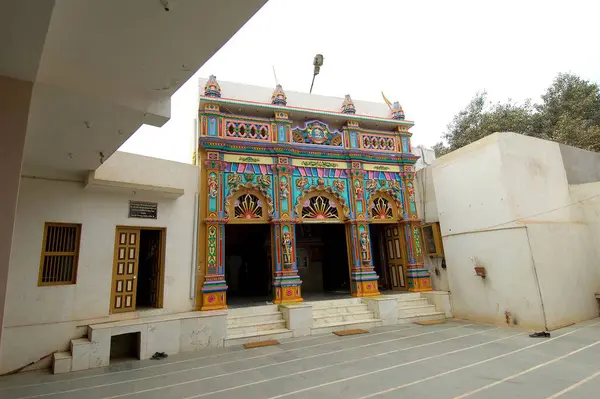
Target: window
<point>433,240</point>
<point>60,253</point>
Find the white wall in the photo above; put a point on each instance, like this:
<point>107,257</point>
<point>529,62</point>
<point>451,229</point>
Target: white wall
<point>506,201</point>
<point>40,320</point>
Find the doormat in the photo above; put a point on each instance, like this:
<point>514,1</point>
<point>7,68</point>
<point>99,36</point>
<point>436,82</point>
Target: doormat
<point>349,332</point>
<point>429,322</point>
<point>259,344</point>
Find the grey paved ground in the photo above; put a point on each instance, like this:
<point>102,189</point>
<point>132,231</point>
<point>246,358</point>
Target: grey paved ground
<point>452,360</point>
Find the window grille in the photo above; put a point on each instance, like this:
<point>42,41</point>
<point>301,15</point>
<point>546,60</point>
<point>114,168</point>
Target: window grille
<point>60,253</point>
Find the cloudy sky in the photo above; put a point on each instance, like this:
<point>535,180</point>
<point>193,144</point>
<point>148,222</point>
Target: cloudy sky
<point>432,56</point>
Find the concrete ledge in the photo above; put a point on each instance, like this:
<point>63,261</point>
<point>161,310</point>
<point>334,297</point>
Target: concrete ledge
<point>385,308</point>
<point>171,334</point>
<point>92,183</point>
<point>298,318</point>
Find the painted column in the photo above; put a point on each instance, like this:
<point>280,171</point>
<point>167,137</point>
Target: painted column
<point>286,282</point>
<point>417,275</point>
<point>362,272</point>
<point>214,288</point>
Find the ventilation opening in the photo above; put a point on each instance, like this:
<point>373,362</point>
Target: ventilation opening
<point>125,347</point>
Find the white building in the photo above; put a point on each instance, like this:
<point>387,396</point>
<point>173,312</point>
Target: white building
<point>527,211</point>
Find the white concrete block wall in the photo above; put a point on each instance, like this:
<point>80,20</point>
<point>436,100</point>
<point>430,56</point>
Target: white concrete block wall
<point>39,320</point>
<point>506,200</point>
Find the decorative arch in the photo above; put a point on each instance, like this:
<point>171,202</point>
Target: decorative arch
<point>248,204</point>
<point>383,207</point>
<point>322,203</point>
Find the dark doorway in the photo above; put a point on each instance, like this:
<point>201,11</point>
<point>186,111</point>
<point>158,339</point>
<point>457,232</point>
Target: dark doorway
<point>379,255</point>
<point>149,281</point>
<point>323,258</point>
<point>124,347</point>
<point>247,262</point>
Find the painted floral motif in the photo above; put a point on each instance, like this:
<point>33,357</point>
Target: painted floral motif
<point>234,180</point>
<point>417,239</point>
<point>264,181</point>
<point>301,183</point>
<point>339,185</point>
<point>212,247</point>
<point>248,177</point>
<point>212,186</point>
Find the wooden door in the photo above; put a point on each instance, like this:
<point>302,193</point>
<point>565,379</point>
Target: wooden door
<point>395,260</point>
<point>125,270</point>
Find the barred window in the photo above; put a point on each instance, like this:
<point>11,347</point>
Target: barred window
<point>60,253</point>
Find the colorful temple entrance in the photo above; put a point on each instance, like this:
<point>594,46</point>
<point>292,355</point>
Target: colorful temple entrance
<point>293,206</point>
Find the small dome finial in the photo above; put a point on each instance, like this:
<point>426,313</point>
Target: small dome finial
<point>278,97</point>
<point>212,88</point>
<point>348,105</point>
<point>397,111</point>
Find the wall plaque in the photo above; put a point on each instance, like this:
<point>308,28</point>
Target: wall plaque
<point>143,210</point>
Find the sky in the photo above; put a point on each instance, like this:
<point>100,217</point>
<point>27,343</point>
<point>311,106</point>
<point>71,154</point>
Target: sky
<point>431,56</point>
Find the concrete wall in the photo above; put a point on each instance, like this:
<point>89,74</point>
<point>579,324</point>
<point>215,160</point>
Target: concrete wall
<point>505,202</point>
<point>40,320</point>
<point>14,109</point>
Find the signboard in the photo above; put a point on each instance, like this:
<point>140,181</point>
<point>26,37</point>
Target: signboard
<point>143,210</point>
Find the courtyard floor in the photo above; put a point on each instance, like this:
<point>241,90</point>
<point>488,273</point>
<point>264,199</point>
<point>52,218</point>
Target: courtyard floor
<point>451,360</point>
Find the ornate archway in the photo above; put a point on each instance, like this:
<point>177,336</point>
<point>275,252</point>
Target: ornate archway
<point>248,205</point>
<point>321,204</point>
<point>383,208</point>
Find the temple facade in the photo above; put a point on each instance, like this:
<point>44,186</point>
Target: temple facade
<point>299,189</point>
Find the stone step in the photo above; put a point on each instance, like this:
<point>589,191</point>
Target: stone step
<point>81,351</point>
<point>253,318</point>
<point>335,302</point>
<point>342,317</point>
<point>252,310</point>
<point>253,328</point>
<point>422,317</point>
<point>409,303</point>
<point>417,310</point>
<point>346,325</point>
<point>344,309</point>
<point>61,362</point>
<point>240,339</point>
<point>407,296</point>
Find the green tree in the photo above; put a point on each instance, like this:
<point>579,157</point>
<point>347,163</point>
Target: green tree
<point>569,114</point>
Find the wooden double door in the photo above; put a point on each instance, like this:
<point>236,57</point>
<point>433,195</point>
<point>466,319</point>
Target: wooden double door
<point>391,245</point>
<point>135,248</point>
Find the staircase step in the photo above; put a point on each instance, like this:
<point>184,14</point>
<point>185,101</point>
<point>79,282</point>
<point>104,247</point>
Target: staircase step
<point>343,309</point>
<point>409,303</point>
<point>253,318</point>
<point>416,310</point>
<point>407,296</point>
<point>252,310</point>
<point>61,362</point>
<point>346,325</point>
<point>252,328</point>
<point>335,303</point>
<point>342,317</point>
<point>422,317</point>
<point>81,350</point>
<point>240,339</point>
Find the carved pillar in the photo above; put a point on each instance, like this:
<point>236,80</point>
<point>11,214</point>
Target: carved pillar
<point>351,135</point>
<point>214,287</point>
<point>362,273</point>
<point>286,282</point>
<point>417,275</point>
